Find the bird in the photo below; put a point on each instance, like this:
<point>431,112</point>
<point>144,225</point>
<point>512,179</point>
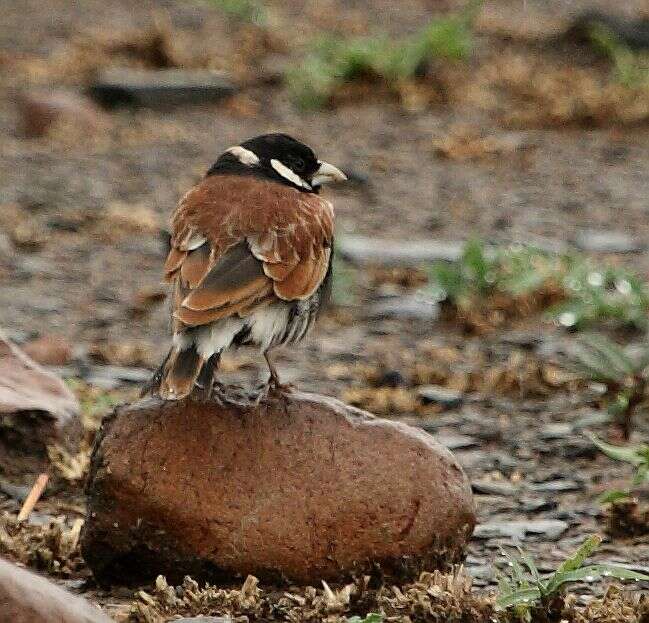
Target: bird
<point>250,260</point>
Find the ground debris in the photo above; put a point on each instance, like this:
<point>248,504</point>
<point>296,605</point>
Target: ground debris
<point>626,518</point>
<point>52,547</point>
<point>465,142</point>
<point>433,597</point>
<point>617,606</point>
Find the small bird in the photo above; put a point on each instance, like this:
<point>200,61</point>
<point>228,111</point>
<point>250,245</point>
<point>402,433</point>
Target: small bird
<point>250,259</point>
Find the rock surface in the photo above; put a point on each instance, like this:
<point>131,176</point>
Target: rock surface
<point>607,242</point>
<point>159,88</point>
<point>363,250</point>
<point>28,598</point>
<point>412,307</point>
<point>301,487</point>
<point>40,110</point>
<point>36,409</point>
<point>49,350</point>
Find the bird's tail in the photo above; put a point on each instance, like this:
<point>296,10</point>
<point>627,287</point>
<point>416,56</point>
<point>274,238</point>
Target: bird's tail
<point>179,372</point>
<point>182,370</point>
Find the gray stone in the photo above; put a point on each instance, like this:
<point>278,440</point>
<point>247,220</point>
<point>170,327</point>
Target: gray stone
<point>159,88</point>
<point>109,377</point>
<point>454,441</point>
<point>411,307</point>
<point>607,242</point>
<point>364,250</point>
<point>204,620</point>
<point>556,486</point>
<point>29,598</point>
<point>550,529</point>
<point>442,396</point>
<point>491,487</point>
<point>556,430</point>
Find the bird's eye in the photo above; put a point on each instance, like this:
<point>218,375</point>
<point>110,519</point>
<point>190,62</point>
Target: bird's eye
<point>297,164</point>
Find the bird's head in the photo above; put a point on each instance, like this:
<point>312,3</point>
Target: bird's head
<point>281,158</point>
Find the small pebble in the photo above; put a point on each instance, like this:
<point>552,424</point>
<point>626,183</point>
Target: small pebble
<point>442,396</point>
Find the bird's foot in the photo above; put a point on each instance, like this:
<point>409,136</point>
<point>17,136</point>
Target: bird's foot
<point>274,388</point>
<point>211,391</point>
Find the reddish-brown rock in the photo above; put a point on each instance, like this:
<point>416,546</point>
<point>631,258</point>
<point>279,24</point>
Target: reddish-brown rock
<point>300,487</point>
<point>49,350</point>
<point>36,409</point>
<point>28,598</point>
<point>40,110</point>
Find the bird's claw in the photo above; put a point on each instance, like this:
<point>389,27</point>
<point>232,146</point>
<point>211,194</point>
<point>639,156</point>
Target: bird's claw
<point>275,388</point>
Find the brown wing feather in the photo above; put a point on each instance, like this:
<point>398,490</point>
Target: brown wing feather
<point>195,266</point>
<point>263,240</point>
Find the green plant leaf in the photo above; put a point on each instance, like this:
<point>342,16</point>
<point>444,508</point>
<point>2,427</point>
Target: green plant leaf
<point>612,354</point>
<point>632,455</point>
<point>527,596</point>
<point>572,564</point>
<point>530,564</point>
<point>593,572</point>
<point>615,495</point>
<point>372,617</point>
<point>332,61</point>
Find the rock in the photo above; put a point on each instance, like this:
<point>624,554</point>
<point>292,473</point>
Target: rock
<point>455,441</point>
<point>204,620</point>
<point>49,350</point>
<point>300,487</point>
<point>491,487</point>
<point>161,88</point>
<point>550,529</point>
<point>556,486</point>
<point>442,396</point>
<point>17,492</point>
<point>110,377</point>
<point>607,242</point>
<point>26,598</point>
<point>633,33</point>
<point>363,250</point>
<point>411,307</point>
<point>40,110</point>
<point>36,410</point>
<point>536,505</point>
<point>556,430</point>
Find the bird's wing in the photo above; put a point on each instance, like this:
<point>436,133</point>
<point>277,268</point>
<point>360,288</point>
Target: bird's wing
<point>240,242</point>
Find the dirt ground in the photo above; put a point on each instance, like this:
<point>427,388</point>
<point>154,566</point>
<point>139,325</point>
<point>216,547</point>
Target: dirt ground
<point>82,215</point>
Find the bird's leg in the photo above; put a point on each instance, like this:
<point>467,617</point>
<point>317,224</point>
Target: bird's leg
<point>207,378</point>
<point>274,385</point>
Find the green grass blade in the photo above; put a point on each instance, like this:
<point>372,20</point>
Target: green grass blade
<point>516,597</point>
<point>612,354</point>
<point>630,455</point>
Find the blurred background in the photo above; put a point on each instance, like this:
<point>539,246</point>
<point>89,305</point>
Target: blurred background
<point>491,242</point>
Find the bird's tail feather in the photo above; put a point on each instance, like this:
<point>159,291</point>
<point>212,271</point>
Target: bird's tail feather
<point>180,372</point>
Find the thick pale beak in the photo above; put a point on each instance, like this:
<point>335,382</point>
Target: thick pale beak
<point>327,173</point>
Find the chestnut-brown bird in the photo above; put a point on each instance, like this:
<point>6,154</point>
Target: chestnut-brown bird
<point>250,258</point>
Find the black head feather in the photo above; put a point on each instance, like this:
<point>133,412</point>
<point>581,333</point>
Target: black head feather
<point>269,149</point>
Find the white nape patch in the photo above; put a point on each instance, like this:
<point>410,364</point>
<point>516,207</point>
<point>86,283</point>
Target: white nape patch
<point>243,155</point>
<point>286,173</point>
<point>268,324</point>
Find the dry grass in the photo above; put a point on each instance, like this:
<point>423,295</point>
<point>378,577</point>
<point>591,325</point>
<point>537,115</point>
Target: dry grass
<point>617,606</point>
<point>524,90</point>
<point>465,142</point>
<point>53,547</point>
<point>434,597</point>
